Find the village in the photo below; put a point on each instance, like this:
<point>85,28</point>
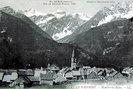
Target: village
<point>53,75</point>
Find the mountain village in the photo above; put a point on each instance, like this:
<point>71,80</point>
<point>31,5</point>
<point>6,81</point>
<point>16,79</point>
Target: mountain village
<point>53,75</point>
<point>23,42</point>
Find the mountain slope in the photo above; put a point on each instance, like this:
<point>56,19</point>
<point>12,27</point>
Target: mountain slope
<point>24,47</point>
<point>18,14</point>
<point>57,24</point>
<point>115,12</point>
<point>111,42</point>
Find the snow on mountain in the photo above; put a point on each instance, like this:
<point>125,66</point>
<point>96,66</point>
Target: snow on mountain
<point>59,13</point>
<point>83,16</point>
<point>55,23</point>
<point>8,9</point>
<point>32,12</point>
<point>62,34</point>
<point>58,24</point>
<point>119,10</point>
<point>20,14</point>
<point>44,21</point>
<point>130,14</point>
<point>114,12</point>
<point>106,20</point>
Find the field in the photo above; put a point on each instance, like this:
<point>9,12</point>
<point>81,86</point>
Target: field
<point>92,84</point>
<point>122,83</point>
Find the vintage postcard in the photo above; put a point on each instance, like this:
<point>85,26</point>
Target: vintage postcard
<point>66,44</point>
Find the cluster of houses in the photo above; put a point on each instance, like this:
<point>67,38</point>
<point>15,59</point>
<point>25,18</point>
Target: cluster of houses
<point>54,75</point>
<point>128,71</point>
<point>27,77</point>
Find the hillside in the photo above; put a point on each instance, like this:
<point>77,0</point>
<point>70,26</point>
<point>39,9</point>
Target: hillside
<point>111,42</point>
<point>58,24</point>
<point>24,47</point>
<point>23,17</point>
<point>118,11</point>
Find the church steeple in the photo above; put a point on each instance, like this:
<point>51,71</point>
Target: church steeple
<point>73,60</point>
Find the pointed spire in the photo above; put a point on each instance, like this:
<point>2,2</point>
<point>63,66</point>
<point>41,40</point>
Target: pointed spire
<point>73,60</point>
<point>73,53</point>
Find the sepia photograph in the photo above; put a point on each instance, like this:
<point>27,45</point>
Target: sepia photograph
<point>66,44</point>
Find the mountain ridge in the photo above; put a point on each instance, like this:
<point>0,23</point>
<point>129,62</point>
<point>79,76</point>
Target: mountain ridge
<point>22,46</point>
<point>10,11</point>
<point>105,15</point>
<point>59,23</point>
<point>111,42</point>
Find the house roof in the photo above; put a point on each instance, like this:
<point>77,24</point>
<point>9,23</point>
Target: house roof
<point>69,75</point>
<point>86,67</point>
<point>118,75</point>
<point>7,70</point>
<point>100,72</point>
<point>93,75</point>
<point>33,78</point>
<point>38,72</point>
<point>60,78</point>
<point>110,70</point>
<point>20,80</point>
<point>76,73</point>
<point>47,76</point>
<point>96,69</point>
<point>112,73</point>
<point>7,78</point>
<point>14,76</point>
<point>1,75</point>
<point>127,70</point>
<point>10,77</point>
<point>26,73</point>
<point>65,70</point>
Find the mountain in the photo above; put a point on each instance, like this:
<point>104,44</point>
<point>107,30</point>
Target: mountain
<point>57,24</point>
<point>32,12</point>
<point>22,46</point>
<point>115,12</point>
<point>111,42</point>
<point>19,14</point>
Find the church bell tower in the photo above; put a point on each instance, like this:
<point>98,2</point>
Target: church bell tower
<point>73,60</point>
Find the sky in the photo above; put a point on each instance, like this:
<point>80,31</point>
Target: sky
<point>70,6</point>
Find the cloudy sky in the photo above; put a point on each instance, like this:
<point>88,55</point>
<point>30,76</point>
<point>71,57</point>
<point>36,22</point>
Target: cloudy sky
<point>70,6</point>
